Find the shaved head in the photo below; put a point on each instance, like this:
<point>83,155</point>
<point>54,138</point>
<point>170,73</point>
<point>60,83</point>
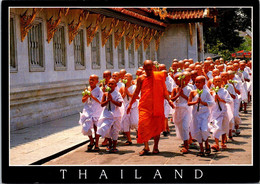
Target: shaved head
<point>94,76</point>
<point>162,67</point>
<point>148,67</point>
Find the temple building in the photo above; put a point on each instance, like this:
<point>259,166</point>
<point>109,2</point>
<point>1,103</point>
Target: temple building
<point>53,51</point>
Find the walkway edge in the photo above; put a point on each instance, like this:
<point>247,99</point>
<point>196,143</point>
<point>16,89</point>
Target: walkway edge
<point>56,155</point>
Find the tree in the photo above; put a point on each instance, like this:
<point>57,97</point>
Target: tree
<point>223,38</point>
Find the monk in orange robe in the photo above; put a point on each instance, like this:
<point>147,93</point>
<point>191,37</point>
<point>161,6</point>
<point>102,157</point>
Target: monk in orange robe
<point>151,106</point>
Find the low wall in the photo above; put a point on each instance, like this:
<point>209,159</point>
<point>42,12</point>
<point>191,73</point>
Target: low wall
<point>35,104</point>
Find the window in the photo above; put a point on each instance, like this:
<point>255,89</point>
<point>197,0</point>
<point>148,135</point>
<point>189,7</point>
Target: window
<point>140,55</point>
<point>109,53</point>
<point>95,56</point>
<point>59,49</point>
<point>121,54</point>
<point>35,48</point>
<point>131,59</point>
<point>12,49</point>
<point>79,51</point>
<point>148,52</point>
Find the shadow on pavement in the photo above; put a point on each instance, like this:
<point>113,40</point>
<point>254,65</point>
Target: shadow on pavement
<point>233,150</point>
<point>42,130</point>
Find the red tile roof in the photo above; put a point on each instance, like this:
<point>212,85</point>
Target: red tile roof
<point>186,14</point>
<point>136,15</point>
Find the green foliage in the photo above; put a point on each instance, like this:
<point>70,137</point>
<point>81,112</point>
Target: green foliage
<point>246,45</point>
<point>224,38</point>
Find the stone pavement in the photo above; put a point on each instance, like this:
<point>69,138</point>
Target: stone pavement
<point>38,142</point>
<point>238,152</point>
<point>29,145</point>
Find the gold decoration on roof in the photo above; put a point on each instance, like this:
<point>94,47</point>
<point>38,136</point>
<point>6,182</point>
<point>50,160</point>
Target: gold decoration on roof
<point>107,30</point>
<point>139,38</point>
<point>73,28</point>
<point>162,12</point>
<point>52,25</point>
<point>26,22</point>
<point>131,34</point>
<point>149,38</point>
<point>92,29</point>
<point>157,39</point>
<point>119,35</point>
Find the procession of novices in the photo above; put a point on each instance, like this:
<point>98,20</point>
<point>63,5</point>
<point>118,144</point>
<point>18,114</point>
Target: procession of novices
<point>203,99</point>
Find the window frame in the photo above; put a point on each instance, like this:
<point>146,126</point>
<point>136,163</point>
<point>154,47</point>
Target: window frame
<point>37,68</point>
<point>110,42</point>
<point>82,51</point>
<point>122,43</point>
<point>142,52</point>
<point>64,67</point>
<point>131,65</point>
<point>98,45</point>
<point>13,69</point>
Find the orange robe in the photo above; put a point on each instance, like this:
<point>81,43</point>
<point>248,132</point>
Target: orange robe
<point>151,107</point>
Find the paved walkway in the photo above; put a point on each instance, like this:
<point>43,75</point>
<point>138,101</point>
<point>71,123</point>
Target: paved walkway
<point>29,145</point>
<point>32,144</point>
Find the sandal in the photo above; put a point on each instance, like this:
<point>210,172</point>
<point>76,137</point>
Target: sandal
<point>184,150</point>
<point>127,143</point>
<point>104,144</point>
<point>181,146</point>
<point>201,154</point>
<point>208,150</point>
<point>194,140</point>
<point>223,146</point>
<point>90,146</point>
<point>165,133</point>
<point>144,152</point>
<point>156,151</point>
<point>193,146</point>
<point>215,147</point>
<point>96,149</point>
<point>113,151</point>
<point>108,148</point>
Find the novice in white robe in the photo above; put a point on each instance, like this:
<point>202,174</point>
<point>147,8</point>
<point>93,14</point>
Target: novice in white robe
<point>182,115</point>
<point>91,112</point>
<point>130,121</point>
<point>221,116</point>
<point>110,119</point>
<point>199,125</point>
<point>167,108</point>
<point>201,113</point>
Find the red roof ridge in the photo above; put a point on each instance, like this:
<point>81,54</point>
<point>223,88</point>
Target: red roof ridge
<point>141,17</point>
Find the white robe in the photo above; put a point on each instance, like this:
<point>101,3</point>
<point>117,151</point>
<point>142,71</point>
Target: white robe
<point>209,74</point>
<point>221,119</point>
<point>109,121</point>
<point>199,125</point>
<point>243,93</point>
<point>182,115</point>
<point>231,90</point>
<point>130,121</point>
<point>91,112</point>
<point>169,85</point>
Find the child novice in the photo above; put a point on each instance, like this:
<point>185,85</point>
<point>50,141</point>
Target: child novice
<point>237,101</point>
<point>167,108</point>
<point>110,117</point>
<point>201,114</point>
<point>91,111</point>
<point>220,116</point>
<point>181,117</point>
<point>230,88</point>
<point>106,75</point>
<point>129,121</point>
